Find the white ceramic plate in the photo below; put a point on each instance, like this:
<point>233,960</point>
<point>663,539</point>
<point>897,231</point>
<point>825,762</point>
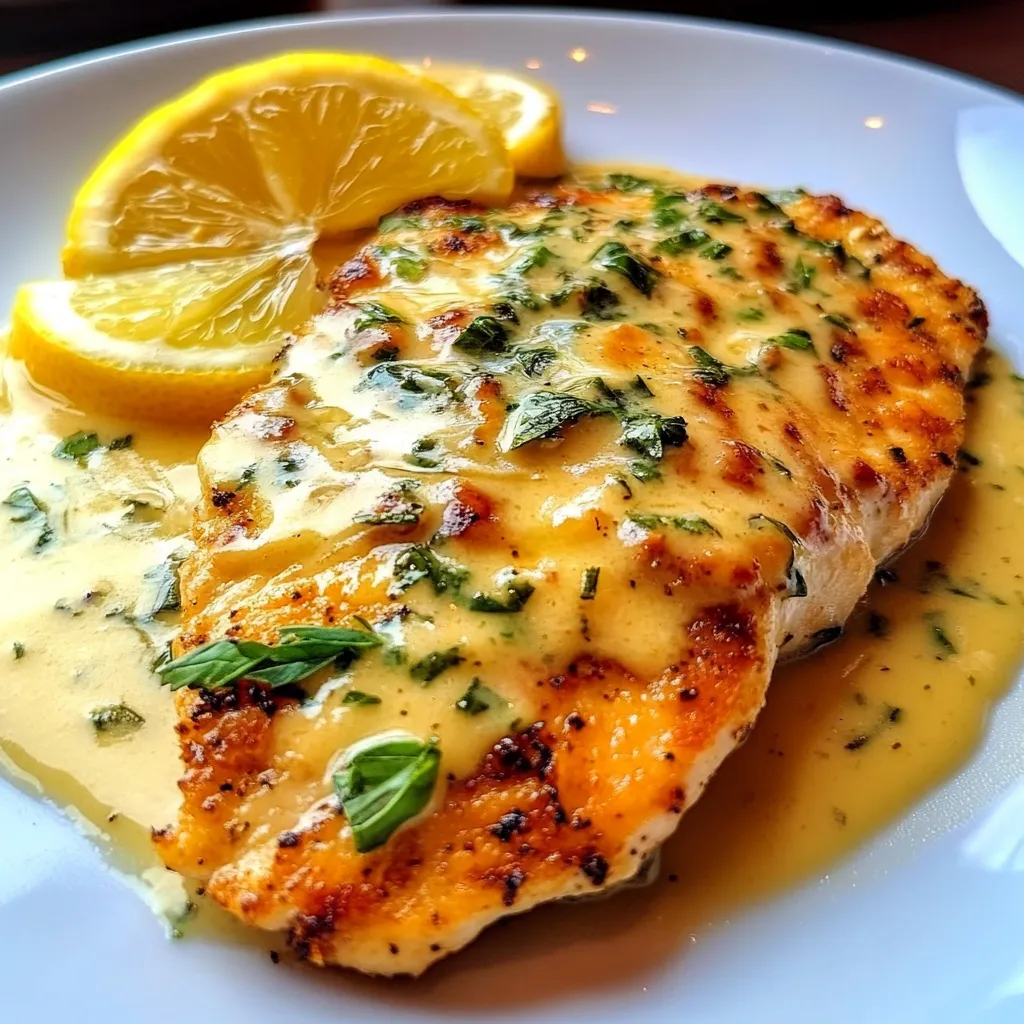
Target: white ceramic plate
<point>927,924</point>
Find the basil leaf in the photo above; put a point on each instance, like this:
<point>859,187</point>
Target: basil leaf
<point>116,720</point>
<point>321,641</point>
<point>26,508</point>
<point>405,263</point>
<point>689,524</point>
<point>303,650</point>
<point>839,321</point>
<point>691,239</point>
<point>749,314</point>
<point>384,784</point>
<point>616,257</point>
<point>666,212</point>
<point>478,699</point>
<point>483,334</point>
<point>796,585</point>
<point>420,562</point>
<point>627,182</point>
<point>716,213</point>
<point>588,583</point>
<point>433,664</point>
<point>713,372</point>
<point>403,513</point>
<point>794,338</point>
<point>359,698</point>
<point>400,222</point>
<point>540,414</point>
<point>644,470</point>
<point>210,666</point>
<point>460,222</point>
<point>516,593</point>
<point>375,314</point>
<point>288,673</point>
<point>535,257</point>
<point>409,379</point>
<point>803,276</point>
<point>534,361</point>
<point>78,445</point>
<point>715,251</point>
<point>649,433</point>
<point>161,591</point>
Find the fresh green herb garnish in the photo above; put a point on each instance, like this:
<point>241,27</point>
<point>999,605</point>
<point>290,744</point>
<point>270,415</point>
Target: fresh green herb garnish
<point>116,720</point>
<point>400,513</point>
<point>616,257</point>
<point>538,256</point>
<point>471,225</point>
<point>420,562</point>
<point>400,222</point>
<point>711,371</point>
<point>422,453</point>
<point>383,783</point>
<point>375,314</point>
<point>534,361</point>
<point>716,251</point>
<point>644,470</point>
<point>160,590</point>
<point>689,524</point>
<point>513,596</point>
<point>305,649</point>
<point>803,276</point>
<point>540,414</point>
<point>478,699</point>
<point>794,338</point>
<point>628,182</point>
<point>692,239</point>
<point>796,585</point>
<point>666,212</point>
<point>483,334</point>
<point>598,301</point>
<point>588,583</point>
<point>410,379</point>
<point>940,637</point>
<point>716,213</point>
<point>359,698</point>
<point>649,433</point>
<point>836,320</point>
<point>78,445</point>
<point>26,508</point>
<point>405,263</point>
<point>430,666</point>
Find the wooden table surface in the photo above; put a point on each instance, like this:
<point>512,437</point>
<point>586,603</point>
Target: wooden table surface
<point>986,40</point>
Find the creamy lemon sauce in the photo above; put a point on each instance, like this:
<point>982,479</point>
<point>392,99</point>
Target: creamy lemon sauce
<point>849,738</point>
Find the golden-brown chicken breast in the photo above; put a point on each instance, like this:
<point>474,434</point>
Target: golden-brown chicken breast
<point>495,572</point>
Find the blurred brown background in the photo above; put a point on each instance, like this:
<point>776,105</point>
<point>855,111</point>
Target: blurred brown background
<point>985,39</point>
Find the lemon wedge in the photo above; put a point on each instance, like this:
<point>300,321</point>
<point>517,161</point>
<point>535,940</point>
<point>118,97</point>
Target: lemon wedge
<point>285,149</point>
<point>526,113</point>
<point>181,342</point>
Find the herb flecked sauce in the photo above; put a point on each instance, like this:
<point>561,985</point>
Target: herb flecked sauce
<point>849,739</point>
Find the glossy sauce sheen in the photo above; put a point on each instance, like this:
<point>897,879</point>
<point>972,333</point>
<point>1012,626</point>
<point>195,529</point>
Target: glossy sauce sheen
<point>834,731</point>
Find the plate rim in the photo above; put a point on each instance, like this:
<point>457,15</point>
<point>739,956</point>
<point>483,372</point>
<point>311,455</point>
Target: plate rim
<point>13,82</point>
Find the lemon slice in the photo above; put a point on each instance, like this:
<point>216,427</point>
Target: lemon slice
<point>289,148</point>
<point>526,113</point>
<point>181,342</point>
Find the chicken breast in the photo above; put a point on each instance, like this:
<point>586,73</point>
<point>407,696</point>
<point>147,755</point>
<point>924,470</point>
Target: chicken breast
<point>557,484</point>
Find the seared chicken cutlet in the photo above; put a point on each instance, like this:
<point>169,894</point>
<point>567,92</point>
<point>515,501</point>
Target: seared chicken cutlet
<point>493,574</point>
